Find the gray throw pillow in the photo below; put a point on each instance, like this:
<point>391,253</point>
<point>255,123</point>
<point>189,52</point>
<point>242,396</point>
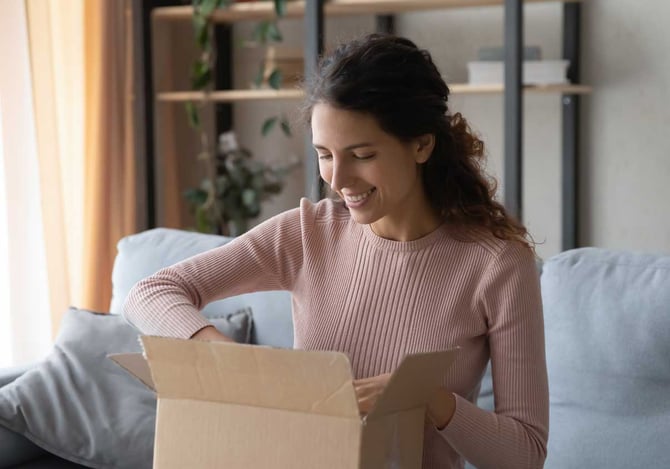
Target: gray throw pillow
<point>81,406</point>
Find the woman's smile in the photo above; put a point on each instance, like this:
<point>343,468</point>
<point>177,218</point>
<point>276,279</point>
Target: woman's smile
<point>358,200</point>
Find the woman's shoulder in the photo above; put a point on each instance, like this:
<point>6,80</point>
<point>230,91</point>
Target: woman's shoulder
<point>324,211</point>
<point>487,244</point>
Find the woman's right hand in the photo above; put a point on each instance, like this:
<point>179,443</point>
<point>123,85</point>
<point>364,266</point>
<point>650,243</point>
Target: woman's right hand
<point>211,333</point>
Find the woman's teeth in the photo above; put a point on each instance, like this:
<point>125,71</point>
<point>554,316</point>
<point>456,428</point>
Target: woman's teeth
<point>359,197</point>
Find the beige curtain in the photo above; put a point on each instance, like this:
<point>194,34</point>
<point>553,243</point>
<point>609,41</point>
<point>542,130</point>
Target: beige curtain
<point>56,59</point>
<point>110,193</point>
<point>83,84</point>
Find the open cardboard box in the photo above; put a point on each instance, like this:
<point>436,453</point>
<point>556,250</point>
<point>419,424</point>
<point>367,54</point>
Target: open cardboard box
<point>242,406</point>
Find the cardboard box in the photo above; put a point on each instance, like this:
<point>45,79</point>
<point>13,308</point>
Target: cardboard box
<point>242,406</point>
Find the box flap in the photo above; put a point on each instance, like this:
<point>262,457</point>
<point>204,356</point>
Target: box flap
<point>414,382</point>
<point>136,365</point>
<point>307,381</point>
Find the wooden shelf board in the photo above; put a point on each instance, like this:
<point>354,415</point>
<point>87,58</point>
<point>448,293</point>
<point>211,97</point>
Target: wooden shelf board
<point>261,10</point>
<point>250,95</point>
<point>464,88</point>
<point>230,96</point>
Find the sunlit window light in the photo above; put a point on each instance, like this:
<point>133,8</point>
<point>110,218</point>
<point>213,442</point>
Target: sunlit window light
<point>5,324</point>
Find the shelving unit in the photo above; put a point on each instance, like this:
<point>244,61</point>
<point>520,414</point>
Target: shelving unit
<point>314,11</point>
<point>262,10</point>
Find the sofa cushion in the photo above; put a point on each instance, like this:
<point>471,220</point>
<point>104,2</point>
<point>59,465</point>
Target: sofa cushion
<point>607,321</point>
<point>80,405</point>
<point>143,254</point>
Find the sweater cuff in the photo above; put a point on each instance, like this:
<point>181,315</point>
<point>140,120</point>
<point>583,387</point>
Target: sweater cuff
<point>183,327</point>
<point>459,424</point>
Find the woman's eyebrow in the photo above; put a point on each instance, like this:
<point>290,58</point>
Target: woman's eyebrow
<point>347,148</point>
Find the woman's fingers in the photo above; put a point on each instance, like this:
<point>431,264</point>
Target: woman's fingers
<point>368,390</point>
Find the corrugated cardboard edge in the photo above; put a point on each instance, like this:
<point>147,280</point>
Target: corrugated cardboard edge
<point>412,384</point>
<point>309,381</point>
<point>136,365</point>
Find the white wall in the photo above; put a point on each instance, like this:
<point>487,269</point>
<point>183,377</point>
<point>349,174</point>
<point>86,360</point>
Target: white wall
<point>625,165</point>
<point>626,182</point>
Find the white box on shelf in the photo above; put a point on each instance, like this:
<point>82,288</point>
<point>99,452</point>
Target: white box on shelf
<point>535,72</point>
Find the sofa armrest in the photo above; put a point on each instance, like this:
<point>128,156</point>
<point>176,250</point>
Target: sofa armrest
<point>7,375</point>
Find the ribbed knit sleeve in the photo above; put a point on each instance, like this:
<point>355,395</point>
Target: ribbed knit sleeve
<point>268,257</point>
<point>515,435</point>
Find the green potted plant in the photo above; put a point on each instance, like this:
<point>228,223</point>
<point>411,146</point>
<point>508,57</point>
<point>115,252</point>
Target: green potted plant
<point>227,204</point>
<point>235,184</point>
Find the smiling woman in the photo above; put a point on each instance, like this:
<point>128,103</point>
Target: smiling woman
<point>414,256</point>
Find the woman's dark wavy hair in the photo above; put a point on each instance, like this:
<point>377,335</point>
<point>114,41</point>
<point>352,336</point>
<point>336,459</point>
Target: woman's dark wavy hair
<point>391,79</point>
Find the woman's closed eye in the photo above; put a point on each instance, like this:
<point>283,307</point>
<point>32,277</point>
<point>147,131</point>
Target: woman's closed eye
<point>359,156</point>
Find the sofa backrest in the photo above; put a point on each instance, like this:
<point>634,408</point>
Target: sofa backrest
<point>607,323</point>
<point>145,253</point>
<point>607,327</point>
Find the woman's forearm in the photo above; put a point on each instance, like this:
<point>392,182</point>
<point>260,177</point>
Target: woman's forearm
<point>211,333</point>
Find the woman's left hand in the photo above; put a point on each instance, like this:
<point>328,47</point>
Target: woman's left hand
<point>368,391</point>
<point>439,409</point>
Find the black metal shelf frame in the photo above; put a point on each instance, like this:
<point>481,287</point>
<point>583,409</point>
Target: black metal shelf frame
<point>513,105</point>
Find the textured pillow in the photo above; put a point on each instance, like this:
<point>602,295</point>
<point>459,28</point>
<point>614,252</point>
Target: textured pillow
<point>80,405</point>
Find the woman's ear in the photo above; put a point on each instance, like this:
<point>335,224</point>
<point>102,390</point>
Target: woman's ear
<point>424,147</point>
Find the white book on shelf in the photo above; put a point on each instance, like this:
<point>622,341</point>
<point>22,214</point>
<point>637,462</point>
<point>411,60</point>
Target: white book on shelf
<point>535,72</point>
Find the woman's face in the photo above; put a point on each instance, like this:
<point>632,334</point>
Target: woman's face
<point>375,174</point>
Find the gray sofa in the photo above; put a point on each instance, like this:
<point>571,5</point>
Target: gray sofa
<point>607,325</point>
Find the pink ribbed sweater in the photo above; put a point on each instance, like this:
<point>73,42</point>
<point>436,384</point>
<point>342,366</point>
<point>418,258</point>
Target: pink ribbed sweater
<point>377,300</point>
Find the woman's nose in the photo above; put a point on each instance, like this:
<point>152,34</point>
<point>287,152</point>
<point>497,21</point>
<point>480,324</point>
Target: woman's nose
<point>340,174</point>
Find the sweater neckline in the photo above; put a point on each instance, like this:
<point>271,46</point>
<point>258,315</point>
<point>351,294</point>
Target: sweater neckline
<point>406,246</point>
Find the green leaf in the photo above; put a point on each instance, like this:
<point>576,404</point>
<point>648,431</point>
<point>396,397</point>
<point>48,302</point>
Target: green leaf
<point>222,184</point>
<point>195,196</point>
<point>258,81</point>
<point>257,182</point>
<point>286,127</point>
<point>200,30</point>
<point>268,125</point>
<point>201,75</point>
<point>260,32</point>
<point>192,115</point>
<point>202,222</point>
<point>275,79</point>
<point>273,33</point>
<point>208,6</point>
<point>266,31</point>
<point>249,197</point>
<point>280,7</point>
